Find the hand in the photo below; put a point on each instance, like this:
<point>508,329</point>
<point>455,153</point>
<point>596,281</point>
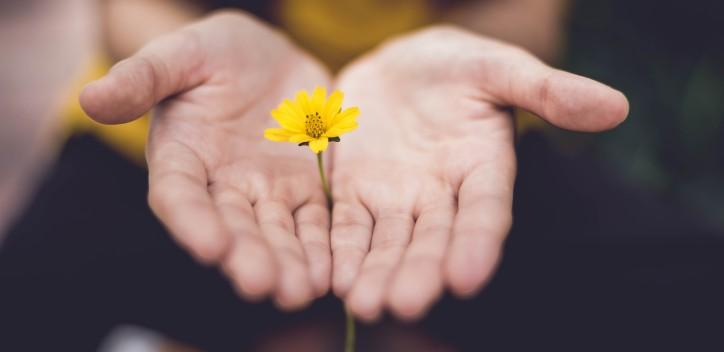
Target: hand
<point>224,192</point>
<point>423,191</point>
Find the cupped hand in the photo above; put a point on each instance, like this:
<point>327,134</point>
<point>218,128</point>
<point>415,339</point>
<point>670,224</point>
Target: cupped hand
<point>423,190</point>
<point>226,194</point>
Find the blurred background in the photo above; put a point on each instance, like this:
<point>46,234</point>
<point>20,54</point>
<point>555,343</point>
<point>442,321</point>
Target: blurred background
<point>618,240</point>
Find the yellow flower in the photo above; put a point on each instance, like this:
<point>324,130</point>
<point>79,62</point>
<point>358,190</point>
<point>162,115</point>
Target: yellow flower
<point>314,122</point>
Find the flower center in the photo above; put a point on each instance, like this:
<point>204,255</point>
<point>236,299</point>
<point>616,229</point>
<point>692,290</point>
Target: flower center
<point>314,125</point>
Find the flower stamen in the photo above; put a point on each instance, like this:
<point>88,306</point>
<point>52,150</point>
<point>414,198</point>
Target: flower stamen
<point>314,125</point>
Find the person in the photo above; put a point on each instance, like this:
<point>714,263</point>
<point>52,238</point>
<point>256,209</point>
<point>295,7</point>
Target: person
<point>423,191</point>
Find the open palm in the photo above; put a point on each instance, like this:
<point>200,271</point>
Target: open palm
<point>423,191</point>
<point>226,194</point>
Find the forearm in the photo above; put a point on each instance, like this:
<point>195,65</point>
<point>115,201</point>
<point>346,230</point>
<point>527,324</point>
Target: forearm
<point>533,24</point>
<point>129,24</point>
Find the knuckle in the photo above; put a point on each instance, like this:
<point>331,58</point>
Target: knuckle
<point>148,76</point>
<point>545,96</point>
<point>433,230</point>
<point>349,249</point>
<point>342,227</point>
<point>377,268</point>
<point>292,255</point>
<point>319,245</point>
<point>312,214</point>
<point>277,221</point>
<point>387,243</point>
<point>426,258</point>
<point>345,220</point>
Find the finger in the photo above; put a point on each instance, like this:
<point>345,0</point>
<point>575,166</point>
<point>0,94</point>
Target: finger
<point>482,222</point>
<point>294,289</point>
<point>178,195</point>
<point>418,282</point>
<point>350,237</point>
<point>390,237</point>
<point>312,223</point>
<point>250,264</point>
<point>164,67</point>
<point>564,99</point>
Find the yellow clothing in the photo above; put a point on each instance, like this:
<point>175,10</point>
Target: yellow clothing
<point>336,31</point>
<point>129,139</point>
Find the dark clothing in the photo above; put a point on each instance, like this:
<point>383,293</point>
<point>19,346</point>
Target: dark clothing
<point>588,264</point>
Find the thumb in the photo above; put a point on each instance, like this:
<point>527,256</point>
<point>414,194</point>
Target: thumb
<point>564,99</point>
<point>166,66</point>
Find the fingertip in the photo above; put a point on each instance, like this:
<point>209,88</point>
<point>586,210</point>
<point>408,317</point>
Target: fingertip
<point>468,268</point>
<point>206,240</point>
<point>209,250</point>
<point>410,297</point>
<point>340,288</point>
<point>252,271</point>
<point>365,307</point>
<point>346,265</point>
<point>582,104</point>
<point>124,94</point>
<point>100,101</point>
<point>407,312</point>
<point>90,101</point>
<point>320,279</point>
<point>607,109</point>
<point>312,223</point>
<point>294,289</point>
<point>619,109</point>
<point>461,283</point>
<point>406,307</point>
<point>342,278</point>
<point>291,305</point>
<point>350,237</point>
<point>294,300</point>
<point>319,267</point>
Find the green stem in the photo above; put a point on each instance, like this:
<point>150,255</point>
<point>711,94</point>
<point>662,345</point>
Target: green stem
<point>350,330</point>
<point>349,340</point>
<point>325,183</point>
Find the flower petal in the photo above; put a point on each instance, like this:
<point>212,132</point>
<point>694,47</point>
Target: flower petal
<point>341,128</point>
<point>303,101</point>
<point>287,121</point>
<point>347,114</point>
<point>318,98</point>
<point>318,145</point>
<point>331,109</point>
<point>292,108</point>
<point>277,134</point>
<point>300,138</point>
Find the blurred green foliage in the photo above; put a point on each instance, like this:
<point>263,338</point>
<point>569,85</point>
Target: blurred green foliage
<point>668,58</point>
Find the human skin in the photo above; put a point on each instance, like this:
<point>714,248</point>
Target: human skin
<point>33,88</point>
<point>538,26</point>
<point>230,197</point>
<point>423,191</point>
<point>29,130</point>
